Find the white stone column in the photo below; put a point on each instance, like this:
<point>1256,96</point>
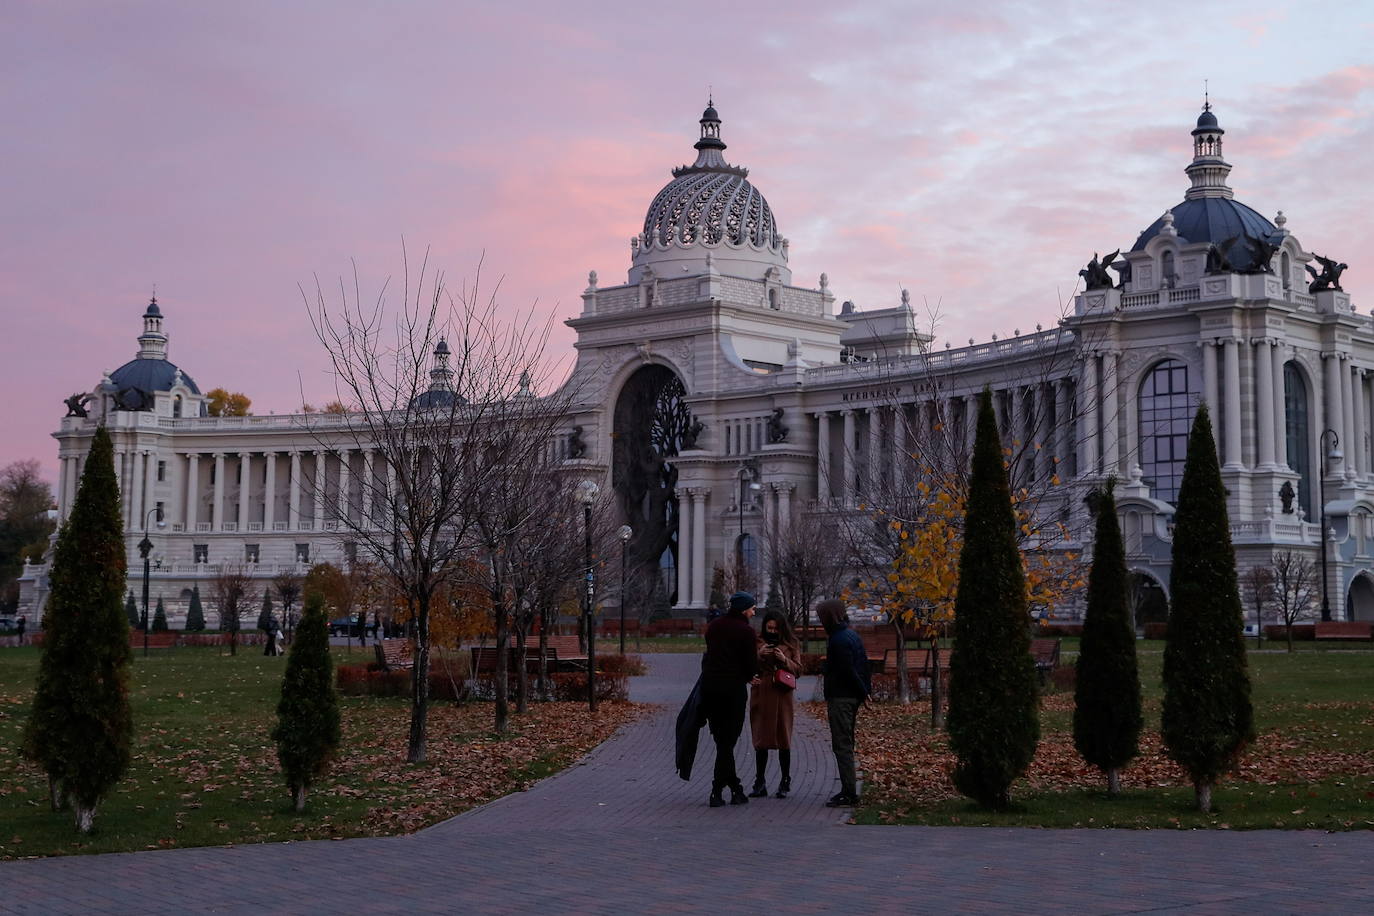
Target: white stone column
<point>369,481</point>
<point>684,547</point>
<point>192,490</point>
<point>1334,417</point>
<point>269,495</point>
<point>699,575</point>
<point>784,508</point>
<point>217,507</point>
<point>1277,359</point>
<point>1361,463</point>
<point>62,488</point>
<point>320,491</point>
<point>136,480</point>
<point>847,464</point>
<point>1063,430</point>
<point>1234,445</point>
<point>293,497</point>
<point>1087,412</point>
<point>823,492</point>
<point>1264,407</point>
<point>873,476</point>
<point>344,510</point>
<point>1352,444</point>
<point>1209,378</point>
<point>970,420</point>
<point>245,486</point>
<point>150,483</point>
<point>1111,414</point>
<point>902,440</point>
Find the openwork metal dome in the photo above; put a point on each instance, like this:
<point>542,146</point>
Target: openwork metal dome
<point>711,201</point>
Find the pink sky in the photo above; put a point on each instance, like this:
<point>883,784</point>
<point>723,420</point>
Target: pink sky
<point>228,152</point>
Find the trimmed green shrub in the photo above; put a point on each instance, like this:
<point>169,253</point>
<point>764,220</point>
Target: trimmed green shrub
<point>195,614</point>
<point>1207,715</point>
<point>307,730</point>
<point>993,721</point>
<point>80,728</point>
<point>131,612</point>
<point>1106,716</point>
<point>160,618</point>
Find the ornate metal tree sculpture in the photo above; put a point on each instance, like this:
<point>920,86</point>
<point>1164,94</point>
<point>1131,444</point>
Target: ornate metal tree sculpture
<point>652,425</point>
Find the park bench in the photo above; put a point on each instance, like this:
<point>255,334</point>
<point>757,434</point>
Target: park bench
<point>1347,629</point>
<point>563,650</point>
<point>918,661</point>
<point>1046,655</point>
<point>394,654</point>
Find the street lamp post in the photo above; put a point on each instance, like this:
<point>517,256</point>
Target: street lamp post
<point>145,550</point>
<point>625,533</point>
<point>586,494</point>
<point>1334,454</point>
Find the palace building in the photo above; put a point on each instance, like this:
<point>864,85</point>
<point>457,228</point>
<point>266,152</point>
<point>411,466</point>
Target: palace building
<point>800,408</point>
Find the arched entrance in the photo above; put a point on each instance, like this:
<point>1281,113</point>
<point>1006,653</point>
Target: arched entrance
<point>652,424</point>
<point>1359,601</point>
<point>1149,604</point>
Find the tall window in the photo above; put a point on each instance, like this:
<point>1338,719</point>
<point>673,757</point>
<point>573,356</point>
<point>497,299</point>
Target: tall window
<point>1167,405</point>
<point>1299,433</point>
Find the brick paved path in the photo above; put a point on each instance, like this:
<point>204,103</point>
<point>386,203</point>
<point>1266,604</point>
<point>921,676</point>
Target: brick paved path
<point>620,834</point>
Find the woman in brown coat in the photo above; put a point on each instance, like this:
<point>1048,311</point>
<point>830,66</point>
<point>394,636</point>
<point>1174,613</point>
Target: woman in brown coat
<point>770,702</point>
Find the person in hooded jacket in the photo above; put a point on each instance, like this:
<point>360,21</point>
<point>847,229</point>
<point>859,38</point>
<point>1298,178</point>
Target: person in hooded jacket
<point>728,666</point>
<point>846,689</point>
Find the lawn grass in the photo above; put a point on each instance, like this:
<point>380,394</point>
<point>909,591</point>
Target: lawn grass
<point>205,771</point>
<point>1311,767</point>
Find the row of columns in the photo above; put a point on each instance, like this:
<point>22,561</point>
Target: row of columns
<point>691,546</point>
<point>1037,411</point>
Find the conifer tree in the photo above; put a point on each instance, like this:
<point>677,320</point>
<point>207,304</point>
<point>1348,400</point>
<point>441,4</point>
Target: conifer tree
<point>1106,715</point>
<point>80,727</point>
<point>195,613</point>
<point>307,730</point>
<point>131,612</point>
<point>160,617</point>
<point>993,720</point>
<point>1207,716</point>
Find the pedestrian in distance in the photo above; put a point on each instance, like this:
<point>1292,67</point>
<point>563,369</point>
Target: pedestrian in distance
<point>272,636</point>
<point>730,663</point>
<point>21,624</point>
<point>847,687</point>
<point>771,701</point>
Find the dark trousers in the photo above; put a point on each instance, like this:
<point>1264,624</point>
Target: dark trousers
<point>843,714</point>
<point>725,713</point>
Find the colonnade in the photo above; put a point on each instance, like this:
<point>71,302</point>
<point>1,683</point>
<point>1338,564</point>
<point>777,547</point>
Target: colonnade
<point>886,451</point>
<point>693,574</point>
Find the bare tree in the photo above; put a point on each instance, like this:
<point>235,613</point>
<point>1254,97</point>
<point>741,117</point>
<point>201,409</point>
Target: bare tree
<point>805,564</point>
<point>428,386</point>
<point>1296,589</point>
<point>288,587</point>
<point>230,589</point>
<point>1258,587</point>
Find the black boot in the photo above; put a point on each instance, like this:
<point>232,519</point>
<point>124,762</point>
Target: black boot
<point>760,789</point>
<point>737,796</point>
<point>784,787</point>
<point>716,800</point>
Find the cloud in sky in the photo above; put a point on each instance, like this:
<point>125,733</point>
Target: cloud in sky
<point>976,156</point>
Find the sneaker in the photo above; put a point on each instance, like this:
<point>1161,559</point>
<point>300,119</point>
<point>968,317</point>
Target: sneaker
<point>716,801</point>
<point>737,796</point>
<point>842,800</point>
<point>784,787</point>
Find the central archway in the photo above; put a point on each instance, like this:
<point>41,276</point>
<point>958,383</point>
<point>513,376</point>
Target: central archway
<point>652,424</point>
<point>1359,602</point>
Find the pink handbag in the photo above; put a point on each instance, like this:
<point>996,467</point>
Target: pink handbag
<point>785,679</point>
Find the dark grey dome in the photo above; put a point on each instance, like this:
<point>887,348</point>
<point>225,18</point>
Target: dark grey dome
<point>711,206</point>
<point>1207,120</point>
<point>435,399</point>
<point>153,311</point>
<point>1214,219</point>
<point>149,375</point>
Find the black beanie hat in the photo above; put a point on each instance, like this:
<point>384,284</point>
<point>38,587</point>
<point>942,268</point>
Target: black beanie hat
<point>741,601</point>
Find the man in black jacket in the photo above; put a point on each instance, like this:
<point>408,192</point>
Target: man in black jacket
<point>846,688</point>
<point>730,663</point>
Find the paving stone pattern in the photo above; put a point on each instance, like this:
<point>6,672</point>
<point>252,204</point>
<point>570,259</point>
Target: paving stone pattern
<point>620,833</point>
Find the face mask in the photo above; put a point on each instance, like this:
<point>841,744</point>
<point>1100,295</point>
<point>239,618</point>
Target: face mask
<point>772,638</point>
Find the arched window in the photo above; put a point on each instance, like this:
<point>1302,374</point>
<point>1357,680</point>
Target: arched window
<point>1299,433</point>
<point>1286,268</point>
<point>1166,270</point>
<point>747,556</point>
<point>1167,405</point>
<point>773,299</point>
<point>176,406</point>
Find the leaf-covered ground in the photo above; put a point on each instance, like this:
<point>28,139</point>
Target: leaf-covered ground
<point>205,770</point>
<point>1312,765</point>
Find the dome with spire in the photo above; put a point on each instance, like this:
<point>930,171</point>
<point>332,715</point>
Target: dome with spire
<point>149,371</point>
<point>1209,212</point>
<point>709,206</point>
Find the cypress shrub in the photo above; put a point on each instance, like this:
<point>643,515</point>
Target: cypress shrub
<point>1207,717</point>
<point>160,618</point>
<point>80,727</point>
<point>307,730</point>
<point>131,612</point>
<point>195,614</point>
<point>1106,715</point>
<point>265,616</point>
<point>993,720</point>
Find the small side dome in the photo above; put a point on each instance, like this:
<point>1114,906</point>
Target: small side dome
<point>153,311</point>
<point>1207,120</point>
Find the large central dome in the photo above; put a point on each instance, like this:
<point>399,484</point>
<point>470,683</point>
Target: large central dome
<point>710,208</point>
